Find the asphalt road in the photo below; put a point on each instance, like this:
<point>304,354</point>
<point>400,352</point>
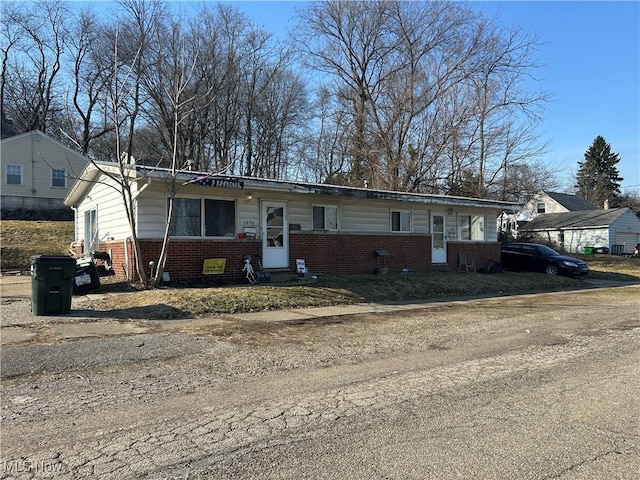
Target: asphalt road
<point>535,387</point>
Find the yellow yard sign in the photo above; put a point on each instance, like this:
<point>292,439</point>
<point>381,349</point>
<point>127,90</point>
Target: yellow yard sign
<point>213,266</point>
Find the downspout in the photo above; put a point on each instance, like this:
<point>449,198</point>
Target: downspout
<point>75,229</point>
<point>33,170</point>
<point>127,240</point>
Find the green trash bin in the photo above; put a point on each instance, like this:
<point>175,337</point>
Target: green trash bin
<point>588,250</point>
<point>52,284</point>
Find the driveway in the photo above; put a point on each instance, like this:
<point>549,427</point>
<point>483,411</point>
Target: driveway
<point>540,386</point>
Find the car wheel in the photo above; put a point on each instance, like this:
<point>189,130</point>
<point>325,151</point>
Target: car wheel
<point>552,270</point>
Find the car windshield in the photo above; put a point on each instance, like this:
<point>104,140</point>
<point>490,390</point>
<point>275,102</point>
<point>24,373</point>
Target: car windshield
<point>547,252</point>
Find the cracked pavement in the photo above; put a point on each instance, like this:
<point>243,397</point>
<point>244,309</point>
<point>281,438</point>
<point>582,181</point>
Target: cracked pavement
<point>538,387</point>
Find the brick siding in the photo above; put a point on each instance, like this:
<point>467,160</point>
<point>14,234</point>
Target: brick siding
<point>324,254</point>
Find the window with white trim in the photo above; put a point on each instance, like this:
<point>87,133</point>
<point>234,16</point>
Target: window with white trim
<point>13,174</point>
<point>400,221</point>
<point>325,217</point>
<point>59,177</point>
<point>90,231</point>
<point>471,228</point>
<point>195,217</point>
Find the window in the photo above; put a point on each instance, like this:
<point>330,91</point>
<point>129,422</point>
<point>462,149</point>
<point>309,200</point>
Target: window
<point>14,175</point>
<point>471,228</point>
<point>186,218</point>
<point>90,230</point>
<point>58,177</point>
<point>325,218</point>
<point>219,218</point>
<point>540,208</point>
<point>400,221</point>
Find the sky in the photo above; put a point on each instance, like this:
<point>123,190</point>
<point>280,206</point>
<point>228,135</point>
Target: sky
<point>591,53</point>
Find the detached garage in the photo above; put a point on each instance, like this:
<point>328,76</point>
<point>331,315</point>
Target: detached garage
<point>572,231</point>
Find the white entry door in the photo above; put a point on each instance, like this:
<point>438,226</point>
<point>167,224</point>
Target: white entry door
<point>438,238</point>
<point>275,235</point>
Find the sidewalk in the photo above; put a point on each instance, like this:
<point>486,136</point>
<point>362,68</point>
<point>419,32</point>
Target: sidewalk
<point>20,325</point>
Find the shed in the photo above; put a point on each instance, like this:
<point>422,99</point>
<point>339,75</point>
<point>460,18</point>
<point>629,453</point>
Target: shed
<point>572,231</point>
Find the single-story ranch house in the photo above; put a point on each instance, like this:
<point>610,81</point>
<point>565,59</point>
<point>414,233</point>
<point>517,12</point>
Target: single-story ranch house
<point>220,219</point>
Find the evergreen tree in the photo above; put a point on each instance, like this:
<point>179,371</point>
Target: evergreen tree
<point>597,179</point>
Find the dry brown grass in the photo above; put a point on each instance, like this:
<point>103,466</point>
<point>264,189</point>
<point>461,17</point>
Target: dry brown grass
<point>20,240</point>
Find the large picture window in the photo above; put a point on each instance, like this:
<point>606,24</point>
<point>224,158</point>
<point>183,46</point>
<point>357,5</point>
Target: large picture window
<point>400,221</point>
<point>471,228</point>
<point>188,213</point>
<point>325,218</point>
<point>219,218</point>
<point>13,175</point>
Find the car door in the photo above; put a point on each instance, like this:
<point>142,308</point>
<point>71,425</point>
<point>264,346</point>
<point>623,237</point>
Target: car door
<point>531,260</point>
<point>509,257</point>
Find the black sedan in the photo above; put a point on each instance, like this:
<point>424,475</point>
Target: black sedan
<point>534,257</point>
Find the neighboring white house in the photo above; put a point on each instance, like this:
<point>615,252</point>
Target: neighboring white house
<point>37,172</point>
<point>541,203</point>
<point>554,202</point>
<point>336,230</point>
<point>570,223</point>
<point>572,231</point>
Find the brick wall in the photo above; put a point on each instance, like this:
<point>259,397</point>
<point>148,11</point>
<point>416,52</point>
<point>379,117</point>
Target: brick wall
<point>480,253</point>
<point>324,254</point>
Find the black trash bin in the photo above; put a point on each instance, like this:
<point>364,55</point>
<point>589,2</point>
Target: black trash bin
<point>86,277</point>
<point>52,284</point>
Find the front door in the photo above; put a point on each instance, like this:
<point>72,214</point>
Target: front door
<point>275,235</point>
<point>438,239</point>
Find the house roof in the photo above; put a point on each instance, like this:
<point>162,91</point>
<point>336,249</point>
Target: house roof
<point>92,171</point>
<point>574,220</point>
<point>572,202</point>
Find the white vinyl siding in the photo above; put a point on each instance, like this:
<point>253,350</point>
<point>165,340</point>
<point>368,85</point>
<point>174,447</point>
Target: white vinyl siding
<point>355,216</point>
<point>364,219</point>
<point>112,221</point>
<point>629,240</point>
<point>38,154</point>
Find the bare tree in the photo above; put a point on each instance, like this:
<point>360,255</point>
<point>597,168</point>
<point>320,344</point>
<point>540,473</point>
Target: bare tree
<point>434,89</point>
<point>10,21</point>
<point>91,70</point>
<point>29,89</point>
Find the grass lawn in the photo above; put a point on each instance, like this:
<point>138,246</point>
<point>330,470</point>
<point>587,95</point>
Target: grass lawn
<point>22,239</point>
